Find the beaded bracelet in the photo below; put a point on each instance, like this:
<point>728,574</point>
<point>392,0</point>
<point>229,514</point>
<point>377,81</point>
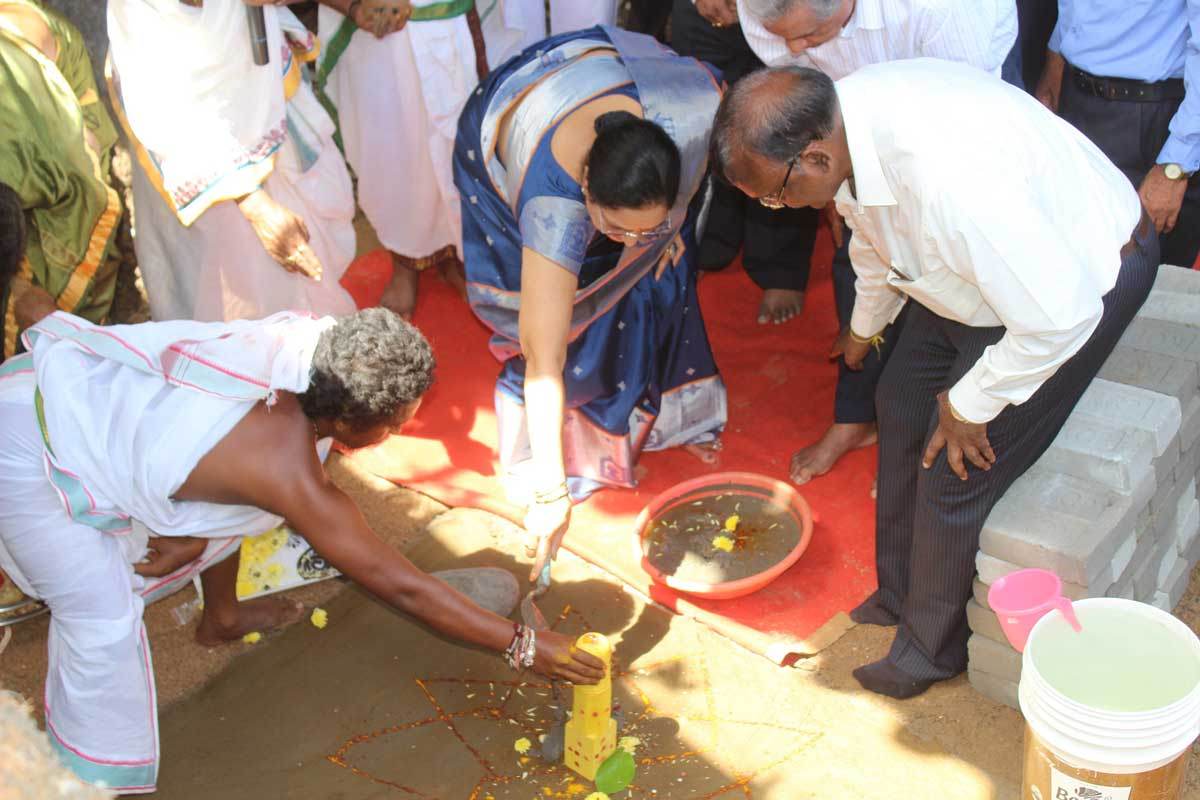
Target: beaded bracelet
<point>551,495</point>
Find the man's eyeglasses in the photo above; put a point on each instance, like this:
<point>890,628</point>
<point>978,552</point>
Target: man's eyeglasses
<point>774,201</point>
<point>632,238</point>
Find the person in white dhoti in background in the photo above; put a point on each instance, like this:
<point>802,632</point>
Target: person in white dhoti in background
<point>509,26</point>
<point>398,75</point>
<point>110,436</point>
<point>243,203</point>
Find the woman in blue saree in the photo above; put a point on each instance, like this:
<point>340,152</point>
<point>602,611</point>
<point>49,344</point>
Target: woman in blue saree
<point>578,163</point>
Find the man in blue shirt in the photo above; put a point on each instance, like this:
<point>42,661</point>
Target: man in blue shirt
<point>1127,74</point>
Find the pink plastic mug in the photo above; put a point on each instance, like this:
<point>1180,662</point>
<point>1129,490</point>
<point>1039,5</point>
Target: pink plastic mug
<point>1023,597</point>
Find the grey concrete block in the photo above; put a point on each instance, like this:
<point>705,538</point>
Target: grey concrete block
<point>984,622</point>
<point>1159,415</point>
<point>1177,279</point>
<point>1166,338</point>
<point>1001,660</point>
<point>1121,560</point>
<point>1189,464</point>
<point>1103,452</point>
<point>1193,553</point>
<point>1176,583</point>
<point>1171,562</point>
<point>1145,579</point>
<point>1184,503</point>
<point>1161,601</point>
<point>1164,465</point>
<point>1189,426</point>
<point>1153,371</point>
<point>1187,528</point>
<point>991,569</point>
<point>1124,591</point>
<point>1177,308</point>
<point>993,688</point>
<point>1166,497</point>
<point>1061,523</point>
<point>979,590</point>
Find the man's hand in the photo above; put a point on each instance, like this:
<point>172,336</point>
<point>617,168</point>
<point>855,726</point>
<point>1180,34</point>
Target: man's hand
<point>670,257</point>
<point>853,352</point>
<point>283,234</point>
<point>546,524</point>
<point>959,438</point>
<point>719,13</point>
<point>558,657</point>
<point>167,554</point>
<point>1162,198</point>
<point>1049,86</point>
<point>31,304</point>
<point>382,17</point>
<point>837,226</point>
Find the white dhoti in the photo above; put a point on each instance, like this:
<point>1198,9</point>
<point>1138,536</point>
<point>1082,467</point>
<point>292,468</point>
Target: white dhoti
<point>217,269</point>
<point>398,100</point>
<point>78,500</point>
<point>510,26</point>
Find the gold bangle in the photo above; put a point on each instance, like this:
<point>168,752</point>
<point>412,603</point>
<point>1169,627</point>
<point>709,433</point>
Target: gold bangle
<point>875,340</point>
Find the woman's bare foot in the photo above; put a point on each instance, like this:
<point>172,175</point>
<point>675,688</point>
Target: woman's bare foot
<point>263,614</point>
<point>165,554</point>
<point>401,293</point>
<point>780,305</point>
<point>839,439</point>
<point>454,273</point>
<point>708,452</point>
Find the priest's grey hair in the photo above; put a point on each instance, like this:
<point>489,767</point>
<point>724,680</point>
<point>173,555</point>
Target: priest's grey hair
<point>771,10</point>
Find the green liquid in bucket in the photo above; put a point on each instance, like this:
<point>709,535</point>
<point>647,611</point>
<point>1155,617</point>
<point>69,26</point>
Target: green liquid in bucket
<point>1120,661</point>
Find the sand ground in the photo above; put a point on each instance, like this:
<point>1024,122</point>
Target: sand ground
<point>375,706</point>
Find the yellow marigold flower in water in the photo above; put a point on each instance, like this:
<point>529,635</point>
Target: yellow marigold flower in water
<point>732,523</point>
<point>723,543</point>
<point>522,745</point>
<point>629,744</point>
<point>319,618</point>
<point>254,637</point>
<point>597,796</point>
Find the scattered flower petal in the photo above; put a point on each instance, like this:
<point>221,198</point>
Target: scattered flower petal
<point>522,745</point>
<point>597,796</point>
<point>723,542</point>
<point>319,618</point>
<point>732,523</point>
<point>629,744</point>
<point>254,637</point>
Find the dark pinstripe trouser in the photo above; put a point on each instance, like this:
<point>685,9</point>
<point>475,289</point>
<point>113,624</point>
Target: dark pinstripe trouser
<point>928,521</point>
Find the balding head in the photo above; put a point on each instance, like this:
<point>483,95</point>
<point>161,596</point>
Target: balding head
<point>772,10</point>
<point>773,117</point>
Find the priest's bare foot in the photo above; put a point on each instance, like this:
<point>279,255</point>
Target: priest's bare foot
<point>780,305</point>
<point>401,293</point>
<point>262,615</point>
<point>708,452</point>
<point>453,273</point>
<point>839,439</point>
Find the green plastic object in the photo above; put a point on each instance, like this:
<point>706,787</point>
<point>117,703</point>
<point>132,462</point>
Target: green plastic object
<point>616,773</point>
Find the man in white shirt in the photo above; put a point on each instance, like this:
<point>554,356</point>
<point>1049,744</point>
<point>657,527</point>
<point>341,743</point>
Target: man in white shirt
<point>839,37</point>
<point>1026,254</point>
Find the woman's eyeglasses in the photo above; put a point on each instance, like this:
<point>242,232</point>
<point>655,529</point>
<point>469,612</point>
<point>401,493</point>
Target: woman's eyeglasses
<point>637,237</point>
<point>774,201</point>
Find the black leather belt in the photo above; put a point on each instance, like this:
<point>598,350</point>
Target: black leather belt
<point>1125,89</point>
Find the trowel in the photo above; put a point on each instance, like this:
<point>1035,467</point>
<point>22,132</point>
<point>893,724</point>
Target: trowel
<point>532,617</point>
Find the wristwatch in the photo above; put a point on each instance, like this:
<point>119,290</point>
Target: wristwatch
<point>1174,172</point>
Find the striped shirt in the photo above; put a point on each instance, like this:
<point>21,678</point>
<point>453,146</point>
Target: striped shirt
<point>976,32</point>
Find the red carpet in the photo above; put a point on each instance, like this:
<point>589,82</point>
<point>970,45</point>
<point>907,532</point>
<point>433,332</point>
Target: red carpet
<point>780,384</point>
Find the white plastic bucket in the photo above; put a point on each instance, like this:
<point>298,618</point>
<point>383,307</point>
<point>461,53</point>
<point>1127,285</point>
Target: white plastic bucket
<point>1076,749</point>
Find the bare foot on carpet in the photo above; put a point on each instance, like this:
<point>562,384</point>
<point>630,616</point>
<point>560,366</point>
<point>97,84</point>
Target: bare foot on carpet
<point>262,615</point>
<point>780,305</point>
<point>401,293</point>
<point>839,439</point>
<point>453,273</point>
<point>708,452</point>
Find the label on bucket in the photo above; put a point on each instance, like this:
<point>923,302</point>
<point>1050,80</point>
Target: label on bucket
<point>1067,787</point>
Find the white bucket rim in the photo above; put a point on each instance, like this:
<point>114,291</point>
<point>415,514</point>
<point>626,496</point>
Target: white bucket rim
<point>1188,707</point>
<point>1192,697</point>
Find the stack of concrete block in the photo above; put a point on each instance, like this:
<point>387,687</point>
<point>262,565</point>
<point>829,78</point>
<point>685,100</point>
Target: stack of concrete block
<point>1111,507</point>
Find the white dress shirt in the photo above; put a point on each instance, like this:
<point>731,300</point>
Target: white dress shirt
<point>971,198</point>
<point>976,32</point>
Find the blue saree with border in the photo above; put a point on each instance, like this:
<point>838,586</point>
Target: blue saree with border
<point>640,373</point>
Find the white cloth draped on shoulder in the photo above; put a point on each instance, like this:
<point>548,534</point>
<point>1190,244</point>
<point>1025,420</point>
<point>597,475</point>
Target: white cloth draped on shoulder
<point>209,127</point>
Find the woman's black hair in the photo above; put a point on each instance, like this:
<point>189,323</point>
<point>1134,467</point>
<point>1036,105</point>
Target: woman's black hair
<point>632,164</point>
